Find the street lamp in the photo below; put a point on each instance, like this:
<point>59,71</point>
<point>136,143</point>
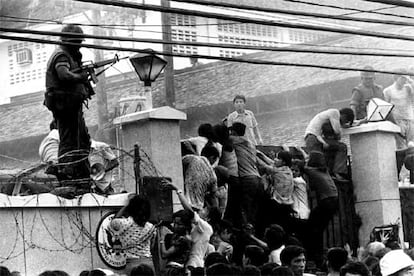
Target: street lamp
<point>148,66</point>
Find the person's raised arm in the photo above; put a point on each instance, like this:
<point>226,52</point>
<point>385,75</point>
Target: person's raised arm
<point>180,194</point>
<point>65,74</point>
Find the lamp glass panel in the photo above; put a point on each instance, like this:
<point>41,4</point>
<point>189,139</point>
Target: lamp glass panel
<point>158,65</point>
<point>142,66</point>
<point>378,110</point>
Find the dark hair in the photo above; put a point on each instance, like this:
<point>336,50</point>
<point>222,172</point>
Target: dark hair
<point>251,270</point>
<point>142,270</point>
<point>219,269</point>
<point>337,257</point>
<point>206,130</point>
<point>282,271</point>
<point>255,254</point>
<point>239,97</point>
<point>84,273</point>
<point>354,268</point>
<point>275,236</point>
<point>239,128</point>
<point>225,225</point>
<point>215,258</point>
<point>4,271</point>
<point>289,253</point>
<point>286,157</point>
<point>373,265</point>
<point>174,271</point>
<point>210,151</point>
<point>221,135</point>
<point>300,164</point>
<point>186,217</point>
<point>60,273</point>
<point>197,271</point>
<point>348,114</point>
<point>267,269</point>
<point>139,208</point>
<point>53,125</point>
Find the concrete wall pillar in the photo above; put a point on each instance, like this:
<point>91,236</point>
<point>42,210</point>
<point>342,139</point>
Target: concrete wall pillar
<point>374,175</point>
<point>157,132</point>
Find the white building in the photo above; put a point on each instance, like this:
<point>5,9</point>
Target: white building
<point>23,71</point>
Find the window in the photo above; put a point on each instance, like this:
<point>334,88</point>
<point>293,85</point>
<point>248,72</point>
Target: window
<point>24,56</point>
<point>184,35</point>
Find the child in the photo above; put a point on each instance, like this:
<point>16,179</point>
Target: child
<point>300,191</point>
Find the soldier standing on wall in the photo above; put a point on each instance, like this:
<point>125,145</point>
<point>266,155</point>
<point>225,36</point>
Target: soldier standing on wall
<point>66,91</point>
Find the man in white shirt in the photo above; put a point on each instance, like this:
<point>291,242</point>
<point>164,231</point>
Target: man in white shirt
<point>246,117</point>
<point>400,94</point>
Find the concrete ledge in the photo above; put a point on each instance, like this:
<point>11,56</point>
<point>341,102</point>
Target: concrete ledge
<point>50,200</point>
<point>164,113</point>
<point>384,126</point>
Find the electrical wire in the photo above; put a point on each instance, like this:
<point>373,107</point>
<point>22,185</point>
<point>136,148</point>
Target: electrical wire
<point>400,3</point>
<point>247,19</point>
<point>349,9</point>
<point>293,12</point>
<point>209,57</point>
<point>230,23</point>
<point>213,45</point>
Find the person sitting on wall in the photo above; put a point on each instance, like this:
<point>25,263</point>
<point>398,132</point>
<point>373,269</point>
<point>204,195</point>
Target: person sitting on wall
<point>317,140</point>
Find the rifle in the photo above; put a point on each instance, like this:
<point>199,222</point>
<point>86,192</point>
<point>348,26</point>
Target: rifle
<point>90,66</point>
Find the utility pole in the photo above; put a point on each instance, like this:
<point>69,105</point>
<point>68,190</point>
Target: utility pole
<point>101,98</point>
<point>167,48</point>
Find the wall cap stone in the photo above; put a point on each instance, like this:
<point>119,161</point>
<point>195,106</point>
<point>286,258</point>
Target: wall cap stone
<point>160,113</point>
<point>384,126</point>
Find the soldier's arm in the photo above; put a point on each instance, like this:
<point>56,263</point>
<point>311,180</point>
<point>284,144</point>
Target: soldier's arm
<point>62,68</point>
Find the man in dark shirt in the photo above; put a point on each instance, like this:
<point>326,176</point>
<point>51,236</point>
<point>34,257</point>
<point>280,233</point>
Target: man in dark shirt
<point>251,189</point>
<point>65,94</point>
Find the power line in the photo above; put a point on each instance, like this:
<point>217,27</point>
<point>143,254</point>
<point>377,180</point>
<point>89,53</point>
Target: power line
<point>229,23</point>
<point>247,19</point>
<point>293,12</point>
<point>213,45</point>
<point>400,3</point>
<point>209,57</point>
<point>349,9</point>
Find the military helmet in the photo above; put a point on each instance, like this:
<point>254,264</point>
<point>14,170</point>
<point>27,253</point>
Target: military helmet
<point>71,28</point>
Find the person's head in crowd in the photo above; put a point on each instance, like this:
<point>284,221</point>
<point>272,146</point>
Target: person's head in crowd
<point>317,160</point>
<point>297,167</point>
<point>346,117</point>
<point>274,236</point>
<point>238,129</point>
<point>254,255</point>
<point>373,247</point>
<point>60,273</point>
<point>4,271</point>
<point>251,270</point>
<point>368,76</point>
<point>267,268</point>
<point>396,263</point>
<point>401,78</point>
<point>354,269</point>
<point>239,103</point>
<point>187,148</point>
<point>197,271</point>
<point>142,270</point>
<point>139,209</point>
<point>206,131</point>
<point>15,273</point>
<point>215,258</point>
<point>237,270</point>
<point>373,265</point>
<point>182,222</point>
<point>283,158</point>
<point>392,244</point>
<point>291,240</point>
<point>219,269</point>
<point>336,258</point>
<point>84,273</point>
<point>293,257</point>
<point>282,271</point>
<point>174,271</point>
<point>225,230</point>
<point>211,153</point>
<point>221,133</point>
